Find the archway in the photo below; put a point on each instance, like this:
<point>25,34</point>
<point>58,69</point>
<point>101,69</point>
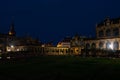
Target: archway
<point>115,45</point>
<point>87,46</point>
<point>93,45</point>
<point>109,45</point>
<point>101,45</point>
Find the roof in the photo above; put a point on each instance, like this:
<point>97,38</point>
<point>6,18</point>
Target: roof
<point>67,39</point>
<point>112,20</point>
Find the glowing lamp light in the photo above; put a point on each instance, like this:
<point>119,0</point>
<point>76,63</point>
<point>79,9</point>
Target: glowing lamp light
<point>12,46</point>
<point>8,50</point>
<point>111,46</point>
<point>18,49</point>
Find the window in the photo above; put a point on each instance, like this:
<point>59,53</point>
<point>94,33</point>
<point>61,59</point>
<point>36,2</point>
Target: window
<point>101,45</point>
<point>116,32</point>
<point>87,46</point>
<point>115,45</point>
<point>108,45</point>
<point>101,34</point>
<point>93,45</point>
<point>108,32</point>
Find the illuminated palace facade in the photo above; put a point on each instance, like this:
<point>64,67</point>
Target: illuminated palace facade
<point>67,46</point>
<point>107,39</point>
<point>10,43</point>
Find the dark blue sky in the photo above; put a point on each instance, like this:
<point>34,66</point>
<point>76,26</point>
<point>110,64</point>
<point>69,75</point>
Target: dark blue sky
<point>55,19</point>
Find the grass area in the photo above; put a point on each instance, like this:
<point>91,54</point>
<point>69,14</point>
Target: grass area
<point>60,68</point>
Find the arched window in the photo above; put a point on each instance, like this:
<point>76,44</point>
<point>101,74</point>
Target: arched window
<point>87,46</point>
<point>115,45</point>
<point>101,45</point>
<point>108,45</point>
<point>93,46</point>
<point>108,32</point>
<point>101,33</point>
<point>116,32</point>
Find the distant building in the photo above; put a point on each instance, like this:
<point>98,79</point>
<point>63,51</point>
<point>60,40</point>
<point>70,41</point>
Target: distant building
<point>65,43</point>
<point>107,39</point>
<point>107,36</point>
<point>77,44</point>
<point>12,43</point>
<point>48,44</point>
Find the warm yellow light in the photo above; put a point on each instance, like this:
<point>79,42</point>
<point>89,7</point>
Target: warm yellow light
<point>18,49</point>
<point>10,33</point>
<point>12,46</point>
<point>8,50</point>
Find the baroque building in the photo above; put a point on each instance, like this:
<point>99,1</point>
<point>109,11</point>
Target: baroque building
<point>65,42</point>
<point>107,40</point>
<point>11,43</point>
<point>107,37</point>
<point>109,28</point>
<point>67,46</point>
<point>108,34</point>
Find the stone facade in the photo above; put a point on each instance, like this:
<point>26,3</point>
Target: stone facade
<point>107,38</point>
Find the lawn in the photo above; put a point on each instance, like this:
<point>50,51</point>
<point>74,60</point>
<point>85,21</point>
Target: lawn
<point>60,68</point>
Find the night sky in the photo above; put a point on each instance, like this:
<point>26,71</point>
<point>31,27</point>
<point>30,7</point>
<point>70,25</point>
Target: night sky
<point>55,19</point>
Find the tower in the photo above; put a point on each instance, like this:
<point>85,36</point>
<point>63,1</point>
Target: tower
<point>12,30</point>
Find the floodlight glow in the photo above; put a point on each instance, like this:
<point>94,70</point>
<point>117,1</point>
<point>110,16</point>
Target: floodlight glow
<point>8,50</point>
<point>18,49</point>
<point>12,46</point>
<point>111,46</point>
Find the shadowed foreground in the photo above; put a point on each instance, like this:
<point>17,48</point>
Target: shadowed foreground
<point>60,68</point>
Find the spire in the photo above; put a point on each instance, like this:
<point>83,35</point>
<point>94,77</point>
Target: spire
<point>12,30</point>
